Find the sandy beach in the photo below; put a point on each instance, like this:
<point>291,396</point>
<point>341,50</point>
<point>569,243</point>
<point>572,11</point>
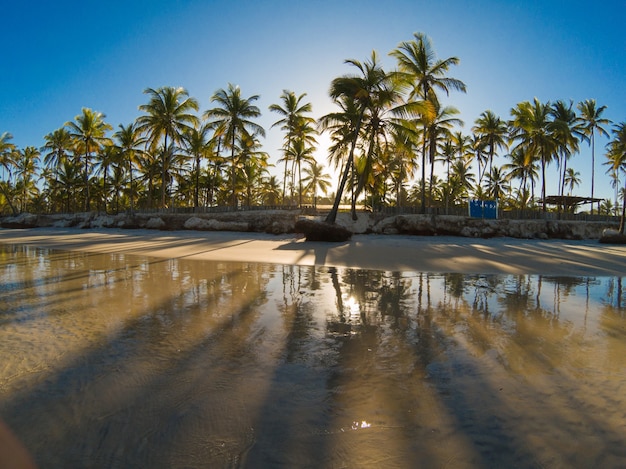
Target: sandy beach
<point>381,252</point>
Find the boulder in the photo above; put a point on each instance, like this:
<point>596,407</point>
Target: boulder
<point>155,223</point>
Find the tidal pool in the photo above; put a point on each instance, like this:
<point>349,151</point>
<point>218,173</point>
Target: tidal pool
<point>113,360</point>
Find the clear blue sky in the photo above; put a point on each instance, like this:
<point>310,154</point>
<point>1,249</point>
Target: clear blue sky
<point>61,56</point>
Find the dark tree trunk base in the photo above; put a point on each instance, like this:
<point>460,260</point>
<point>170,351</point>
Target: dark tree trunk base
<point>322,231</point>
<point>613,239</point>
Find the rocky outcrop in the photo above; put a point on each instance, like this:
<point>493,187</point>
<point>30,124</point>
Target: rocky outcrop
<point>483,228</point>
<point>268,221</point>
<point>284,221</point>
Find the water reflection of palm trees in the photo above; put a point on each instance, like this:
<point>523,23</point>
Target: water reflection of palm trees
<point>258,364</point>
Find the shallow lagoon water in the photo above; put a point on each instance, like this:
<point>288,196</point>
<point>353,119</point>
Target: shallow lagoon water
<point>112,360</point>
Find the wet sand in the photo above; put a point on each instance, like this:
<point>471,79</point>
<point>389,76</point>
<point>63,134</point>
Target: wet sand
<point>437,254</point>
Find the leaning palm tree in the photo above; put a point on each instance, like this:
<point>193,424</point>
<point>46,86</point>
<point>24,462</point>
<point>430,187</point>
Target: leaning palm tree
<point>592,122</point>
<point>420,68</point>
<point>356,92</point>
<point>168,116</point>
<point>232,121</point>
<point>89,132</point>
<point>293,117</point>
<point>616,155</point>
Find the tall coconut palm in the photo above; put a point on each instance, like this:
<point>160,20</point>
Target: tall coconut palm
<point>592,122</point>
<point>419,67</point>
<point>232,120</point>
<point>89,132</point>
<point>130,143</point>
<point>531,128</point>
<point>492,131</point>
<point>168,115</point>
<point>616,155</point>
<point>293,112</point>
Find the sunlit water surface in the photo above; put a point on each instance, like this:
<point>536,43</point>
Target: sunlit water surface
<point>125,361</point>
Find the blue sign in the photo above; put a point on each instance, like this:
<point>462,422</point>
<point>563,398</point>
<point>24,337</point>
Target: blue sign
<point>483,209</point>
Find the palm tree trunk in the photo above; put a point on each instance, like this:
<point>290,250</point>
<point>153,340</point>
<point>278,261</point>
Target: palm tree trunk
<point>593,167</point>
<point>622,220</point>
<point>233,173</point>
<point>423,207</point>
<point>332,215</point>
<point>86,181</point>
<point>196,194</point>
<point>164,171</point>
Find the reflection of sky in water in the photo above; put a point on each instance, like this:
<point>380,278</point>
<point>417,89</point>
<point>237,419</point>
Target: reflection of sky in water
<point>122,361</point>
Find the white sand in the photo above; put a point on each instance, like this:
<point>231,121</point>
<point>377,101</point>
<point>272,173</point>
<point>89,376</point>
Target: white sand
<point>382,252</point>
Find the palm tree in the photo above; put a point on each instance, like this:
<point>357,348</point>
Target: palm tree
<point>88,130</point>
<point>293,118</point>
<point>26,165</point>
<point>299,153</point>
<point>437,125</point>
<point>492,131</point>
<point>592,122</point>
<point>571,179</point>
<point>197,146</point>
<point>496,186</point>
<point>531,126</point>
<point>231,120</point>
<point>110,156</point>
<point>354,92</point>
<point>616,155</point>
<point>168,116</point>
<point>7,154</point>
<point>270,190</point>
<point>58,145</point>
<point>419,67</point>
<point>567,131</point>
<point>460,173</point>
<point>129,143</point>
<point>522,166</point>
<point>252,166</point>
<point>316,179</point>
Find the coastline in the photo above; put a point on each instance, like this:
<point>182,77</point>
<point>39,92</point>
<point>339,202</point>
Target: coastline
<point>436,254</point>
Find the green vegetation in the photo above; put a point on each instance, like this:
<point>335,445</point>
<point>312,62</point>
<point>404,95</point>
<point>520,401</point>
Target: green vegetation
<point>388,127</point>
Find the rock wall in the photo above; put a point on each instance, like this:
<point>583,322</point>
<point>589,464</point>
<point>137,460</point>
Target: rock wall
<point>284,221</point>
